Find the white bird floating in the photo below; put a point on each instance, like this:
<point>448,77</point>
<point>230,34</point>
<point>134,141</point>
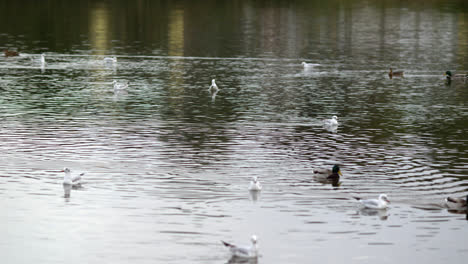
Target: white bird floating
<point>43,62</point>
<point>244,251</point>
<point>456,203</point>
<point>119,86</point>
<point>73,180</point>
<point>381,203</point>
<point>255,184</point>
<point>331,122</point>
<point>110,60</point>
<point>213,85</point>
<point>309,65</point>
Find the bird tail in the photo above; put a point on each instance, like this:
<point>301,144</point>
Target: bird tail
<point>357,198</point>
<point>450,199</point>
<point>226,244</point>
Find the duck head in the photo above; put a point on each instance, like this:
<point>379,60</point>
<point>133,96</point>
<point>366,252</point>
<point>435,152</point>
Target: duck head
<point>336,169</point>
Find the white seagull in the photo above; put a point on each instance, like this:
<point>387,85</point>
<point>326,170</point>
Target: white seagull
<point>110,60</point>
<point>213,85</point>
<point>43,62</point>
<point>73,180</point>
<point>244,251</point>
<point>119,86</point>
<point>381,203</point>
<point>331,122</point>
<point>456,203</point>
<point>309,65</point>
<point>255,184</point>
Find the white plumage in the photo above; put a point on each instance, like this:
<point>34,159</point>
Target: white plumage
<point>243,251</point>
<point>380,203</point>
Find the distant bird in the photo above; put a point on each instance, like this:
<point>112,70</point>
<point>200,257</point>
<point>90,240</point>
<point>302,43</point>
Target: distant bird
<point>255,184</point>
<point>244,251</point>
<point>392,73</point>
<point>119,86</point>
<point>43,61</point>
<point>331,122</point>
<point>11,53</point>
<point>452,77</point>
<point>213,85</point>
<point>456,203</point>
<point>73,180</point>
<point>309,65</point>
<point>110,60</point>
<point>381,203</point>
<point>327,174</point>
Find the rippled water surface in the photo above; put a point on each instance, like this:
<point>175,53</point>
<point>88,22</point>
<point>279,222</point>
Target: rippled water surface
<point>168,162</point>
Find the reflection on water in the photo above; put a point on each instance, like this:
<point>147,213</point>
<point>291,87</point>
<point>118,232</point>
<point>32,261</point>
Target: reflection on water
<point>169,161</point>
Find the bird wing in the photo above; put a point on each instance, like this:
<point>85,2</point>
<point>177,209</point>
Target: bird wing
<point>371,203</point>
<point>236,250</point>
<point>456,200</point>
<point>77,178</point>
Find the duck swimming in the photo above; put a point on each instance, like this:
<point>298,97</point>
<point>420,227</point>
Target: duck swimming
<point>452,77</point>
<point>327,174</point>
<point>11,53</point>
<point>392,73</point>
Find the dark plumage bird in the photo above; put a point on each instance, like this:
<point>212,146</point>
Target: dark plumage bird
<point>327,174</point>
<point>455,77</point>
<point>456,203</point>
<point>11,53</point>
<point>392,73</point>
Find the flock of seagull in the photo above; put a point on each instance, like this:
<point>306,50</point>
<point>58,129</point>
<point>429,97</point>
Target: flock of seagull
<point>251,251</point>
<point>333,175</point>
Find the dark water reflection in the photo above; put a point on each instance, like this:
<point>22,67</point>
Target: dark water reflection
<point>168,163</point>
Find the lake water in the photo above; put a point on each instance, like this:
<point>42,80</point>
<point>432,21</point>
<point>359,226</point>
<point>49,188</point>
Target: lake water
<point>168,163</point>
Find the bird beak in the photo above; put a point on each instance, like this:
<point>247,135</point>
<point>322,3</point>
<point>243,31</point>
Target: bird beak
<point>339,172</point>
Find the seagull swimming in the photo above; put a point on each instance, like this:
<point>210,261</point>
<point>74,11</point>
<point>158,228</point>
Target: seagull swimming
<point>456,203</point>
<point>309,65</point>
<point>73,180</point>
<point>331,122</point>
<point>213,85</point>
<point>43,62</point>
<point>244,251</point>
<point>119,86</point>
<point>110,60</point>
<point>381,203</point>
<point>255,184</point>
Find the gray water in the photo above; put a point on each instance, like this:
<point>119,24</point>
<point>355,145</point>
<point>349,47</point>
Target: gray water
<point>168,164</point>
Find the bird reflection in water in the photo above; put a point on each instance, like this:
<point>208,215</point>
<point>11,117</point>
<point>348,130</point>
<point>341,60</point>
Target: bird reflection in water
<point>254,195</point>
<point>382,213</point>
<point>239,260</point>
<point>67,190</point>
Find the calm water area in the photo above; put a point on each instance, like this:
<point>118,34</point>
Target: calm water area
<point>167,162</point>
